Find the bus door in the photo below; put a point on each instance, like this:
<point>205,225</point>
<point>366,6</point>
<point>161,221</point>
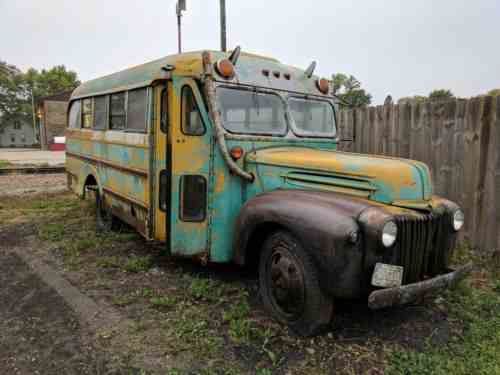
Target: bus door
<point>161,166</point>
<point>191,152</point>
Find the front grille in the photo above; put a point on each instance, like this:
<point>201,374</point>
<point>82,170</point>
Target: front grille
<point>424,245</point>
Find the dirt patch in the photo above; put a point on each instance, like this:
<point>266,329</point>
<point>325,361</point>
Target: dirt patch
<point>39,332</point>
<point>34,183</point>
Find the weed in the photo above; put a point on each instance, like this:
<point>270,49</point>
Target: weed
<point>124,300</point>
<point>138,264</point>
<point>165,301</point>
<point>240,327</point>
<point>191,328</point>
<point>108,262</point>
<point>51,232</point>
<point>206,290</point>
<point>4,164</point>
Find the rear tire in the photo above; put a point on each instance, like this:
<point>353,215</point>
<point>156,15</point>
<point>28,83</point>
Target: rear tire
<point>289,285</point>
<point>105,221</point>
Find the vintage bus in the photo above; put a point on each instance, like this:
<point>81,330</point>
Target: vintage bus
<point>231,157</point>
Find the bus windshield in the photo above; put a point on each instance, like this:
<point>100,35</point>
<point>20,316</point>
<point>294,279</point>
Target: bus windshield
<point>312,117</point>
<point>252,112</point>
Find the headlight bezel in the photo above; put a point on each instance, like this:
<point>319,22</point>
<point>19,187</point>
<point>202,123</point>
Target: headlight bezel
<point>389,234</point>
<point>457,225</point>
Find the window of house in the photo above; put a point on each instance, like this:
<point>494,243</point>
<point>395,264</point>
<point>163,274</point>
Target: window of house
<point>74,115</point>
<point>23,138</point>
<point>17,125</point>
<point>100,112</point>
<point>12,138</point>
<point>117,113</point>
<point>137,109</point>
<point>192,123</point>
<point>87,116</point>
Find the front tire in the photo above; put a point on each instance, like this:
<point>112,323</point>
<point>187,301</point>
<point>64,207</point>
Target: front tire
<point>289,285</point>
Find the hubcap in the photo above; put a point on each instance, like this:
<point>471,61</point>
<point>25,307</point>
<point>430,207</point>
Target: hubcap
<point>287,283</point>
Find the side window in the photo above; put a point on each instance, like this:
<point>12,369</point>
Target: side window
<point>87,116</point>
<point>74,115</point>
<point>192,123</point>
<point>117,114</point>
<point>137,110</point>
<point>193,198</point>
<point>100,112</point>
<point>164,111</point>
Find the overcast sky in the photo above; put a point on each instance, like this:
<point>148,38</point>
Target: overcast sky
<point>392,46</point>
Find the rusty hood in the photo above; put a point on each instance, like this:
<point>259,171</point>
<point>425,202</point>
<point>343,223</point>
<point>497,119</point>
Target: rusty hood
<point>400,182</point>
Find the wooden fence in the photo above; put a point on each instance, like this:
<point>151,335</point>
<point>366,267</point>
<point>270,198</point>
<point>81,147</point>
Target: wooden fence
<point>458,139</point>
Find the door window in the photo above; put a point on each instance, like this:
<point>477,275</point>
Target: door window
<point>193,198</point>
<point>192,123</point>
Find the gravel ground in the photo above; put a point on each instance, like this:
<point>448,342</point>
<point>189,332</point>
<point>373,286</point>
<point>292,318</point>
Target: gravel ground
<point>32,157</point>
<point>32,183</point>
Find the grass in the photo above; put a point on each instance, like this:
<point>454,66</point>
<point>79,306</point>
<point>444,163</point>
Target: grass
<point>477,351</point>
<point>190,313</point>
<point>138,264</point>
<point>165,301</point>
<point>5,164</point>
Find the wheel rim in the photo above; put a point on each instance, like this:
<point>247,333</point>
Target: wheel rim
<point>286,283</point>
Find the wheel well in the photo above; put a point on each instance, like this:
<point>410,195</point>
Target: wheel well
<point>89,181</point>
<point>256,241</point>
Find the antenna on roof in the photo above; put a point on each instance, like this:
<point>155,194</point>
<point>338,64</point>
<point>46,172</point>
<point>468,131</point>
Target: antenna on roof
<point>310,69</point>
<point>180,6</point>
<point>235,55</point>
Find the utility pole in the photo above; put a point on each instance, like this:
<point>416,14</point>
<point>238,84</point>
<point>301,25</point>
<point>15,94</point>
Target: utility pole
<point>33,111</point>
<point>223,41</point>
<point>181,5</point>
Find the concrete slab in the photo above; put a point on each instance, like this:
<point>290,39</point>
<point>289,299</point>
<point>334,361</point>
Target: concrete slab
<point>18,156</point>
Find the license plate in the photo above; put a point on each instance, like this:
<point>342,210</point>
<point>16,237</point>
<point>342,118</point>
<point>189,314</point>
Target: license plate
<point>387,275</point>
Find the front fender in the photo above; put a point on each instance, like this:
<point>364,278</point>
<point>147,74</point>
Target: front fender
<point>321,221</point>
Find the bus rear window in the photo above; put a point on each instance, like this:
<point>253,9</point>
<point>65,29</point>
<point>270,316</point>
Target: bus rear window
<point>251,112</point>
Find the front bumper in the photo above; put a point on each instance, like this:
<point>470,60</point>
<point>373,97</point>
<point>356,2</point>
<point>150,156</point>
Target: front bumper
<point>410,292</point>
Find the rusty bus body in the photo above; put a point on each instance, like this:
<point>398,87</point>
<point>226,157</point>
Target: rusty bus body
<point>232,158</point>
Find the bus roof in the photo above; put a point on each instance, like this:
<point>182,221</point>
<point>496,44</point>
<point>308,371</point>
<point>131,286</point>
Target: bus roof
<point>191,64</point>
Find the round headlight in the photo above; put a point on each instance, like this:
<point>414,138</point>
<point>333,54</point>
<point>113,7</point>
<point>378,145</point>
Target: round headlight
<point>389,233</point>
<point>458,220</point>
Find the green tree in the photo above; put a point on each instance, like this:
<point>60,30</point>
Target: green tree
<point>441,94</point>
<point>17,89</point>
<point>12,100</point>
<point>50,82</point>
<point>494,92</point>
<point>412,99</point>
<point>349,90</point>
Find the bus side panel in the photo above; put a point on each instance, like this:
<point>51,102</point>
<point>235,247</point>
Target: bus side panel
<point>120,163</point>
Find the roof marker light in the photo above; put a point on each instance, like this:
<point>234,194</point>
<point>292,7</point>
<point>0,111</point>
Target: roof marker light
<point>225,68</point>
<point>323,85</point>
